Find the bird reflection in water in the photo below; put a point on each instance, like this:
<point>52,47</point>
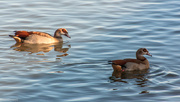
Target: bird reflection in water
<point>139,76</point>
<point>130,75</point>
<point>35,48</point>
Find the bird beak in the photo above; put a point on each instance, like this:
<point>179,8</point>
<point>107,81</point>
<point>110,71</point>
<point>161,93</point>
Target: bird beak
<point>67,35</point>
<point>149,54</point>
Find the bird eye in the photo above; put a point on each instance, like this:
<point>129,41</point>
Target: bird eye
<point>64,30</point>
<point>145,50</point>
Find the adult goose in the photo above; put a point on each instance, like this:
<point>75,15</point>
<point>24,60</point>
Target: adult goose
<point>35,37</point>
<point>140,63</point>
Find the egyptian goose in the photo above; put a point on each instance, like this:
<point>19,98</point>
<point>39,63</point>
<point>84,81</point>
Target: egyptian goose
<point>34,37</point>
<point>140,63</point>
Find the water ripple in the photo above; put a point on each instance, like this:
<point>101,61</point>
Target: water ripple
<point>101,30</point>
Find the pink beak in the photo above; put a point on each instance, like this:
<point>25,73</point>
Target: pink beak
<point>149,54</point>
<point>67,35</point>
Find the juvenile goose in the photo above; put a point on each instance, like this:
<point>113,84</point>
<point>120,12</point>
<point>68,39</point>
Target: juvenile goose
<point>140,63</point>
<point>34,37</point>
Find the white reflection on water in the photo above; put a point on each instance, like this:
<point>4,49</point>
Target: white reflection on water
<point>101,31</point>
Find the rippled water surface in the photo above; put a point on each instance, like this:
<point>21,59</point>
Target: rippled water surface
<point>77,70</point>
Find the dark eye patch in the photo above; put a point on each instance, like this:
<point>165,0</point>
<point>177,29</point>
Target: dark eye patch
<point>65,31</point>
<point>145,50</point>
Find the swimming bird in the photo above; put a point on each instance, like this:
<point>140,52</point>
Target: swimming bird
<point>35,37</point>
<point>140,63</point>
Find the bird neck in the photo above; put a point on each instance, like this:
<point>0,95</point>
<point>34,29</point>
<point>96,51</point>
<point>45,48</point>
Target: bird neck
<point>140,57</point>
<point>57,34</point>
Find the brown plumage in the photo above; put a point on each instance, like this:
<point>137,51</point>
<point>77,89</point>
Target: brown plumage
<point>139,63</point>
<point>35,37</point>
<point>24,34</point>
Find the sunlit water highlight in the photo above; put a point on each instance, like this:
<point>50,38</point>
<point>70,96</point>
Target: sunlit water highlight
<point>77,69</point>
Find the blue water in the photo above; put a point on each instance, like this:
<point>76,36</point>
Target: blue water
<point>77,70</point>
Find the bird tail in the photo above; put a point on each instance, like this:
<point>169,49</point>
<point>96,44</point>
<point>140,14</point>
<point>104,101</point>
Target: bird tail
<point>16,38</point>
<point>110,62</point>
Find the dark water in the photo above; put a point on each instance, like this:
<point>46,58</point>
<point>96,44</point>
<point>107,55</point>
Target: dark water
<point>77,70</point>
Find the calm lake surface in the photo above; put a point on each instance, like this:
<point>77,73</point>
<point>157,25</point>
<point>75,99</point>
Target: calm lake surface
<point>77,70</point>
